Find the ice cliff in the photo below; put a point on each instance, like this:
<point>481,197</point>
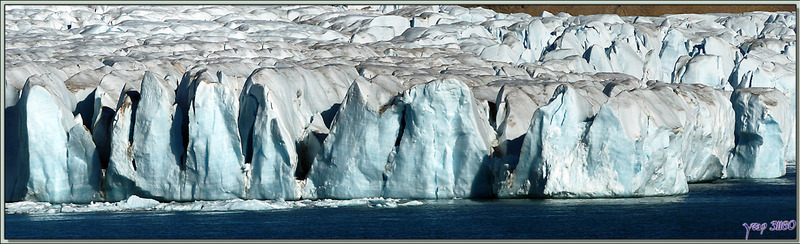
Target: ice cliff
<point>185,103</point>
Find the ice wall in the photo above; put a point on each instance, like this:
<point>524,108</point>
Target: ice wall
<point>444,145</point>
<point>763,130</point>
<point>364,133</point>
<point>148,153</point>
<point>183,103</point>
<point>57,161</point>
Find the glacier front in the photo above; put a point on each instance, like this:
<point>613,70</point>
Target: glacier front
<point>240,104</point>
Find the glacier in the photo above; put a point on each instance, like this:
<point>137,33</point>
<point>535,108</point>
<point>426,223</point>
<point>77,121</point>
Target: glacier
<point>149,165</point>
<point>363,134</point>
<point>263,107</point>
<point>444,135</point>
<point>58,160</point>
<point>762,133</point>
<point>641,142</point>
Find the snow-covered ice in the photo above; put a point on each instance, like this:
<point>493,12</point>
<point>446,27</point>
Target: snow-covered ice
<point>263,107</point>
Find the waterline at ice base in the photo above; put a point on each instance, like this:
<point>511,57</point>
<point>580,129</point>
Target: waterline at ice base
<point>387,104</point>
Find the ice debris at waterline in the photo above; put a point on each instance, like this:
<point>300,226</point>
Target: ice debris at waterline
<point>241,103</point>
<point>136,203</point>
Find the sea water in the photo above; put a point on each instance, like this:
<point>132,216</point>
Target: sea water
<point>724,209</point>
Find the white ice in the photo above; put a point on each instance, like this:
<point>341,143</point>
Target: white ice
<point>241,103</point>
<point>136,203</point>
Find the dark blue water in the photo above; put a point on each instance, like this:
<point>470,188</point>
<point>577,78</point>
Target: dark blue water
<point>712,210</point>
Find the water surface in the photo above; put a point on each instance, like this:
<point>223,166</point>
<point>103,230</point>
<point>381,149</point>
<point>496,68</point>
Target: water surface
<point>710,210</point>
